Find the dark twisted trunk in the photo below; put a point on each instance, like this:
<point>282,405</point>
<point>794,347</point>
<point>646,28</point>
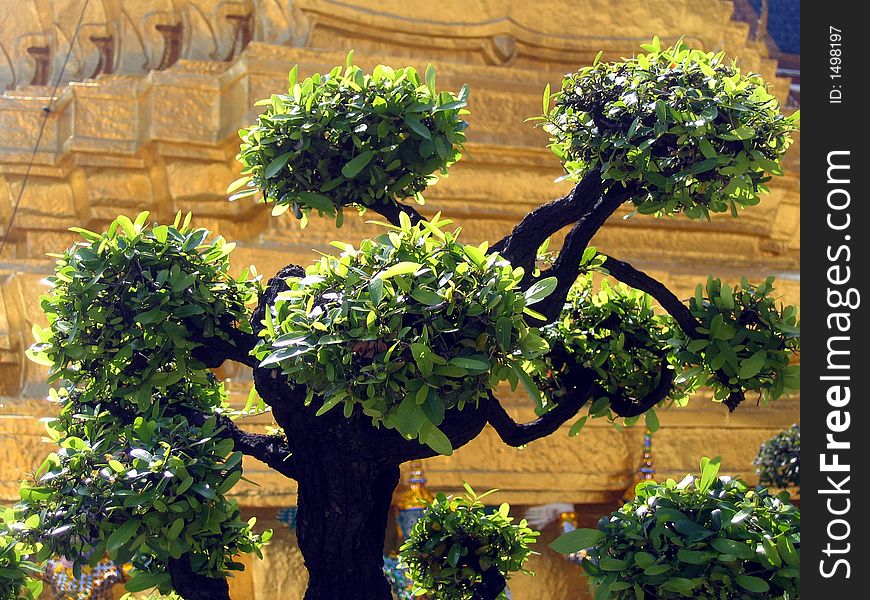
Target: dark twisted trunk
<point>346,471</point>
<point>341,524</point>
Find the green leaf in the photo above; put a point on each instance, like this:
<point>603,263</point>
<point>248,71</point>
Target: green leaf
<point>435,439</point>
<point>235,185</point>
<point>472,364</point>
<point>144,581</point>
<point>175,528</point>
<point>454,553</point>
<point>417,127</point>
<point>577,426</point>
<point>749,367</point>
<point>738,549</point>
<point>317,202</point>
<point>528,383</point>
<point>122,535</point>
<point>787,551</point>
<point>150,316</point>
<point>707,148</point>
<point>652,420</point>
<point>426,297</point>
<point>357,164</point>
<point>644,560</point>
<point>540,290</point>
<point>709,472</point>
<point>430,80</point>
<point>752,584</point>
<point>608,563</point>
<point>656,570</point>
<point>275,165</point>
<point>127,225</point>
<point>576,540</point>
<point>402,268</point>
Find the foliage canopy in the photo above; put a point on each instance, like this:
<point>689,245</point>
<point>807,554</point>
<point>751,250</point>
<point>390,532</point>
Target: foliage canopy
<point>458,540</point>
<point>346,137</point>
<point>778,462</point>
<point>708,537</point>
<point>695,134</point>
<point>411,324</point>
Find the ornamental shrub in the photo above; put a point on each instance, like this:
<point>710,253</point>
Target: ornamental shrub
<point>156,489</point>
<point>457,540</point>
<point>748,341</point>
<point>690,131</point>
<point>711,537</point>
<point>778,463</point>
<point>346,138</point>
<point>128,306</point>
<point>614,331</point>
<point>407,326</point>
<point>141,471</point>
<point>744,344</point>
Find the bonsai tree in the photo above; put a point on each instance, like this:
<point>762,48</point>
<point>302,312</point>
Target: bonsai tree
<point>390,349</point>
<point>778,463</point>
<point>709,537</point>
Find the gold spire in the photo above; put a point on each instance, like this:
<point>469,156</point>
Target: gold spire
<point>414,494</point>
<point>646,471</point>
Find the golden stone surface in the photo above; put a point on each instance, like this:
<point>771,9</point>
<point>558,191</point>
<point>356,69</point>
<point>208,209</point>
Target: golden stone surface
<point>123,136</point>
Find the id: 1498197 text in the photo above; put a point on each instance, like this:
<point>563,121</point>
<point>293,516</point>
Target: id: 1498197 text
<point>835,62</point>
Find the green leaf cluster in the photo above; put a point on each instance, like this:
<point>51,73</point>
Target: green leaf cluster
<point>690,131</point>
<point>711,537</point>
<point>350,138</point>
<point>745,344</point>
<point>19,575</point>
<point>127,305</point>
<point>132,475</point>
<point>748,343</point>
<point>457,540</point>
<point>778,462</point>
<point>144,491</point>
<point>614,331</point>
<point>409,325</point>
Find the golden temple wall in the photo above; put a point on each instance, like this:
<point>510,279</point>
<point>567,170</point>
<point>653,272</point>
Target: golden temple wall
<point>144,135</point>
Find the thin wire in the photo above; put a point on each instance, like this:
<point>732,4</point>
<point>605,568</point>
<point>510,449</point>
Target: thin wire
<point>47,110</point>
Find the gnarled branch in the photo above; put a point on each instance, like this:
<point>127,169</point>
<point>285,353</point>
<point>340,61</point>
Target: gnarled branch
<point>567,266</point>
<point>624,272</point>
<point>624,406</point>
<point>521,245</point>
<point>215,350</point>
<point>519,434</point>
<point>270,449</point>
<point>391,211</point>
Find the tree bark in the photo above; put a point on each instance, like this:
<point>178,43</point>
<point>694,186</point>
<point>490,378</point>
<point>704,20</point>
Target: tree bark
<point>194,586</point>
<point>341,524</point>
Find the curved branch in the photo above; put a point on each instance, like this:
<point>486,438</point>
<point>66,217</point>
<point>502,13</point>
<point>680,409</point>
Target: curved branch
<point>567,266</point>
<point>521,244</point>
<point>519,434</point>
<point>624,406</point>
<point>391,210</point>
<point>215,350</point>
<point>270,449</point>
<point>624,272</point>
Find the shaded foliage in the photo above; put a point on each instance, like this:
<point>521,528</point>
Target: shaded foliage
<point>708,537</point>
